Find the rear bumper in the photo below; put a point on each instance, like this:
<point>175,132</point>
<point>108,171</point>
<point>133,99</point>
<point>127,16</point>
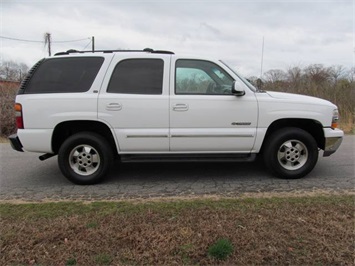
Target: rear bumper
<point>333,139</point>
<point>15,143</point>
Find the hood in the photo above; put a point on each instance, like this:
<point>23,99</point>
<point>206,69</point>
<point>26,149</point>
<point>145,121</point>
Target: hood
<point>290,97</point>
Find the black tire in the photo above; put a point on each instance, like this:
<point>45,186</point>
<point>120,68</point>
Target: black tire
<point>290,153</point>
<point>85,158</point>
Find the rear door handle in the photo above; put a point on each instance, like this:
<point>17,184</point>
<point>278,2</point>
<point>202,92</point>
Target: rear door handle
<point>180,107</point>
<point>113,107</point>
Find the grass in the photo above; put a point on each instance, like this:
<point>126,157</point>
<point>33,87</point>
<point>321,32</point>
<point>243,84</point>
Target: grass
<point>91,225</point>
<point>348,127</point>
<point>305,230</point>
<point>70,261</point>
<point>103,259</point>
<point>221,249</point>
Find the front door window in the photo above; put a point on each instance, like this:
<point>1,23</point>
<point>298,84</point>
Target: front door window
<point>201,77</point>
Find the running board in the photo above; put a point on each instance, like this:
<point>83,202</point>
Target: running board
<point>46,156</point>
<point>127,158</point>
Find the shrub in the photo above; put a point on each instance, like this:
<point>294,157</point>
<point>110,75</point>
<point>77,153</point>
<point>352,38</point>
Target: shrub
<point>70,261</point>
<point>221,249</point>
<point>7,112</point>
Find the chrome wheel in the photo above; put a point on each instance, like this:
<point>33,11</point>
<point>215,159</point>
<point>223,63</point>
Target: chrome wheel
<point>292,155</point>
<point>84,160</point>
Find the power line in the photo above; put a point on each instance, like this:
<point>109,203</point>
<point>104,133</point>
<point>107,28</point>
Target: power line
<point>73,40</point>
<point>86,45</point>
<point>21,40</point>
<point>24,40</point>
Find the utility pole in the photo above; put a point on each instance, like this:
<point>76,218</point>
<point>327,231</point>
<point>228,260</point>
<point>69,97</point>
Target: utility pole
<point>47,41</point>
<point>93,43</point>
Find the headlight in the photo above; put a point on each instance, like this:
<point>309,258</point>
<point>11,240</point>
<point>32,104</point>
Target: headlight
<point>335,118</point>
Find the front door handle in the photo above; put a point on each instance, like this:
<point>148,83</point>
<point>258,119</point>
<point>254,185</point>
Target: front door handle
<point>113,107</point>
<point>180,107</point>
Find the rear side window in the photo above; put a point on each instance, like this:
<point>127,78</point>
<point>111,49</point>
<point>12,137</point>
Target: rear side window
<point>62,75</point>
<point>137,76</point>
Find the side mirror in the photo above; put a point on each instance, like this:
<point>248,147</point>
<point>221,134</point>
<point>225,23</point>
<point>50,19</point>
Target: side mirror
<point>237,91</point>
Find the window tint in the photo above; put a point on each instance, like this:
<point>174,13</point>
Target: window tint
<point>65,75</point>
<point>137,76</point>
<point>201,77</point>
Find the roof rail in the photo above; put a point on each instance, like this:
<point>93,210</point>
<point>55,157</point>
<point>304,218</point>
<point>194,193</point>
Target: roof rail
<point>146,50</point>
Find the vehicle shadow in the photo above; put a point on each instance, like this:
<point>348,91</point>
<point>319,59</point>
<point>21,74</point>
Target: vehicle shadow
<point>185,171</point>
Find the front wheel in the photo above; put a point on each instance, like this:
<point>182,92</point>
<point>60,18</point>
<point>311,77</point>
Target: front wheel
<point>290,153</point>
<point>85,158</point>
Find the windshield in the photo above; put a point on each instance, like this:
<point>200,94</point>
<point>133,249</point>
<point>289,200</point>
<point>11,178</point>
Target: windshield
<point>246,82</point>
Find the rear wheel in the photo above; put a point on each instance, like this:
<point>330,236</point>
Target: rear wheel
<point>85,158</point>
<point>290,153</point>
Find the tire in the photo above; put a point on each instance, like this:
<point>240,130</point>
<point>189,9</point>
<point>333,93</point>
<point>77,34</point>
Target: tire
<point>290,153</point>
<point>85,158</point>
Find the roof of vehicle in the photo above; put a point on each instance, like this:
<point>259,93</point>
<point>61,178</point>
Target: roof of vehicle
<point>146,50</point>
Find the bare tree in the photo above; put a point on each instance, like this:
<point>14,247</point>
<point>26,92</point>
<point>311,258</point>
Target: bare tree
<point>294,74</point>
<point>351,75</point>
<point>274,75</point>
<point>12,71</point>
<point>317,73</point>
<point>337,72</point>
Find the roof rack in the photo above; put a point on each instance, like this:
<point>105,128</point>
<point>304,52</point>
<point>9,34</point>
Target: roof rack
<point>146,50</point>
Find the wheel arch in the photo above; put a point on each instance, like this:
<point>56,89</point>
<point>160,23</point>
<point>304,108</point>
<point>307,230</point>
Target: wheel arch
<point>313,127</point>
<point>68,128</point>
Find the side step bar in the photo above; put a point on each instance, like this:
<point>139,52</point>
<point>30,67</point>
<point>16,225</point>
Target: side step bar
<point>127,158</point>
<point>46,156</point>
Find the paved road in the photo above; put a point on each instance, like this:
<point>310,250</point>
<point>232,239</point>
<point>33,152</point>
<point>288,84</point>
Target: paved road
<point>24,177</point>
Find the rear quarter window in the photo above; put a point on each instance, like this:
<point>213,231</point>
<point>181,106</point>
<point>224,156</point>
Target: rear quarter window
<point>137,76</point>
<point>63,75</point>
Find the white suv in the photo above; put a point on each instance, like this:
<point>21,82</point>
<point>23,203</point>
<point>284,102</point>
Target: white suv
<point>89,108</point>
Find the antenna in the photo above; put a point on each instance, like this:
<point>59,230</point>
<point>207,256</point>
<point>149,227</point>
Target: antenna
<point>262,59</point>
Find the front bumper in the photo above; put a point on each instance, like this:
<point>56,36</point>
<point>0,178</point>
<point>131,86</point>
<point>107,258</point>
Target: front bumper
<point>15,143</point>
<point>333,139</point>
<point>331,145</point>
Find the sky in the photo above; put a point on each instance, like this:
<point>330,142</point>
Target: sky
<point>295,32</point>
